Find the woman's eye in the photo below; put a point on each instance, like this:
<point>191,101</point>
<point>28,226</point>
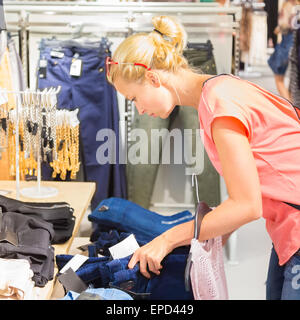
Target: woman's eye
<point>133,99</point>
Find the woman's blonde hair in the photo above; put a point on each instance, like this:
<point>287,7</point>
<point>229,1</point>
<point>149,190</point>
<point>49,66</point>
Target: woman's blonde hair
<point>161,49</point>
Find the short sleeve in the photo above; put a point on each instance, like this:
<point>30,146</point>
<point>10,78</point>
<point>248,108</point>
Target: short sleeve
<point>224,100</point>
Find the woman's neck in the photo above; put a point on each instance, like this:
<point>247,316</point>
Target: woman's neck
<point>187,87</point>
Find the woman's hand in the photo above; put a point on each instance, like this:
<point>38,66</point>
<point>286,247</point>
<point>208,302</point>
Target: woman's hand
<point>277,30</point>
<point>151,255</point>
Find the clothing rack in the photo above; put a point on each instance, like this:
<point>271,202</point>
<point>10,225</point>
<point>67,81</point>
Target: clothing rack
<point>257,8</point>
<point>124,19</point>
<point>2,18</point>
<point>130,18</point>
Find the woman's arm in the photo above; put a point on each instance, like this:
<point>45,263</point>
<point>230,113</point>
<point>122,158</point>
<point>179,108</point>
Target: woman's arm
<point>244,203</point>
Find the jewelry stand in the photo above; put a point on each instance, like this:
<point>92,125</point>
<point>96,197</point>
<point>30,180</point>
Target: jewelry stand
<point>38,191</point>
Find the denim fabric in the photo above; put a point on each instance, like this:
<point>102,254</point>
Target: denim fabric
<point>105,294</point>
<point>98,109</point>
<point>283,282</point>
<point>100,272</point>
<point>279,60</point>
<point>93,272</point>
<point>127,216</point>
<point>105,241</point>
<point>200,56</point>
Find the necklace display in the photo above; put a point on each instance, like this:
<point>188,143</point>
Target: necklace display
<point>3,126</point>
<point>45,134</point>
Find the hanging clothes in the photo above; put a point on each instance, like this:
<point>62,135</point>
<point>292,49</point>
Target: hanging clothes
<point>258,39</point>
<point>294,85</point>
<point>2,18</point>
<point>271,7</point>
<point>88,90</point>
<point>11,78</point>
<point>6,83</point>
<point>18,79</point>
<point>245,30</point>
<point>200,56</point>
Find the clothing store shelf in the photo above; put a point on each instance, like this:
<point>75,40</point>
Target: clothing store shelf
<point>77,194</point>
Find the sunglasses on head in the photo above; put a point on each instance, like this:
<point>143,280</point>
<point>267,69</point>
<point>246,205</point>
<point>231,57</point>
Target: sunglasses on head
<point>109,61</point>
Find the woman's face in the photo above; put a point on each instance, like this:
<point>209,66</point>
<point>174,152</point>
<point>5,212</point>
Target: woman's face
<point>150,97</point>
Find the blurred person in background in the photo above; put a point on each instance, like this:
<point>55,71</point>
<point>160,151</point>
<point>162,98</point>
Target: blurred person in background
<point>279,60</point>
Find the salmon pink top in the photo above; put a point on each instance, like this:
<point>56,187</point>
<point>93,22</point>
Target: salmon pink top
<point>273,130</point>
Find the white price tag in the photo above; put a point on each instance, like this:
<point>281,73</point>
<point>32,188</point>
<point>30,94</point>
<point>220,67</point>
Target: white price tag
<point>43,63</point>
<point>57,54</point>
<point>76,68</point>
<point>124,248</point>
<point>74,263</point>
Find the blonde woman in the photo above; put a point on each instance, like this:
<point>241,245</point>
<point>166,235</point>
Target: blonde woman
<point>251,136</point>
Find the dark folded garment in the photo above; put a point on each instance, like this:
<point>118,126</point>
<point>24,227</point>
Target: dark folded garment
<point>59,214</point>
<point>33,244</point>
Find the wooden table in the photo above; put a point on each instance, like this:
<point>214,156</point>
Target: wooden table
<point>77,194</point>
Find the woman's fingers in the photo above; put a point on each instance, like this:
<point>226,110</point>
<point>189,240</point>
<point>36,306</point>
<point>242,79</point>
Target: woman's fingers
<point>143,266</point>
<point>145,261</point>
<point>154,266</point>
<point>134,259</point>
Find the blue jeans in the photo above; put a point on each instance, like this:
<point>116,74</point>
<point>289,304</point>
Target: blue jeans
<point>283,282</point>
<point>279,60</point>
<point>127,216</point>
<point>105,241</point>
<point>98,109</point>
<point>102,272</point>
<point>104,293</point>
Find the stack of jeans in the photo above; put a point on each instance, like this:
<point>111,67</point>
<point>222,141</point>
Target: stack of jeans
<point>103,272</point>
<point>123,218</point>
<point>141,177</point>
<point>98,108</point>
<point>59,214</point>
<point>126,216</point>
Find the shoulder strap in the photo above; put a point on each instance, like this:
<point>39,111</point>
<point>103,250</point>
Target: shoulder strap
<point>296,206</point>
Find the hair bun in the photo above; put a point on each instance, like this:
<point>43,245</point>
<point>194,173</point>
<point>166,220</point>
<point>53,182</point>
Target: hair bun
<point>169,27</point>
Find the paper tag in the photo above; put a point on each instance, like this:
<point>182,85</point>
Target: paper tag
<point>74,263</point>
<point>43,63</point>
<point>76,68</point>
<point>43,68</point>
<point>72,282</point>
<point>57,54</point>
<point>124,248</point>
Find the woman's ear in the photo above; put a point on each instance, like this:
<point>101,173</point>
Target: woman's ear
<point>153,79</point>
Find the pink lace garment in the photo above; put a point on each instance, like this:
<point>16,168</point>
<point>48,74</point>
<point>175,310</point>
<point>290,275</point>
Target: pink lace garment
<point>207,271</point>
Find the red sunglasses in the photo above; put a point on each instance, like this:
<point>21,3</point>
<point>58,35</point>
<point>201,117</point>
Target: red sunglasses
<point>109,61</point>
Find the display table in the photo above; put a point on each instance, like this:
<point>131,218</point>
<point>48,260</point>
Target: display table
<point>77,194</point>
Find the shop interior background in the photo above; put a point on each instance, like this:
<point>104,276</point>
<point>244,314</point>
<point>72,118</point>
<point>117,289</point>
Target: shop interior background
<point>247,253</point>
